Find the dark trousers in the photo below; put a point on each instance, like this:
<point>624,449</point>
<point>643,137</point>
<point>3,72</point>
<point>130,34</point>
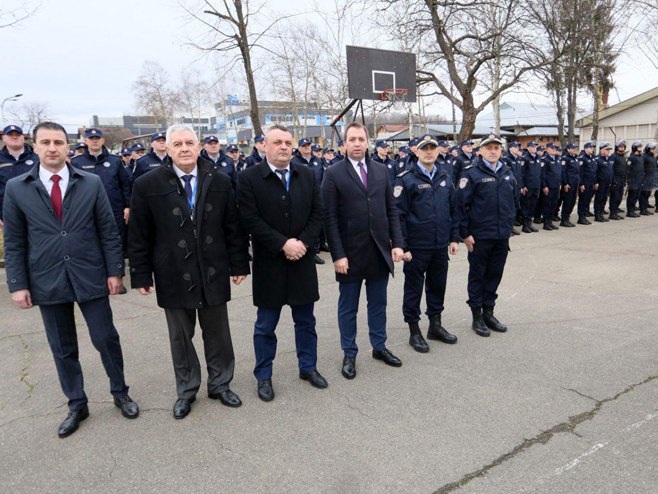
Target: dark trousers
<point>631,200</point>
<point>428,267</point>
<point>59,321</point>
<point>486,264</point>
<point>616,194</point>
<point>550,202</point>
<point>217,345</point>
<point>644,199</point>
<point>529,203</point>
<point>584,199</point>
<point>601,197</point>
<point>123,232</point>
<point>306,339</point>
<point>348,307</point>
<point>568,201</point>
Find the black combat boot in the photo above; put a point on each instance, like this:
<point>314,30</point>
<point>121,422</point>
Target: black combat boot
<point>598,217</point>
<point>582,220</point>
<point>548,226</point>
<point>490,320</point>
<point>526,227</point>
<point>416,339</point>
<point>478,324</point>
<point>438,332</point>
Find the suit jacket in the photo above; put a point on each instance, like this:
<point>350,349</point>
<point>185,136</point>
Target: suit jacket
<point>192,257</point>
<point>360,225</point>
<point>272,215</point>
<point>60,261</point>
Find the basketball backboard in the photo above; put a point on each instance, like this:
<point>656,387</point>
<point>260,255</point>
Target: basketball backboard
<point>370,71</point>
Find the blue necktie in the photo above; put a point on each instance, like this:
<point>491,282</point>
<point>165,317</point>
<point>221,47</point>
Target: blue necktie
<point>188,190</point>
<point>283,177</point>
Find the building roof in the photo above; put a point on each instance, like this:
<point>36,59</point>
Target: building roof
<point>513,114</point>
<point>441,130</point>
<point>544,131</point>
<point>621,106</point>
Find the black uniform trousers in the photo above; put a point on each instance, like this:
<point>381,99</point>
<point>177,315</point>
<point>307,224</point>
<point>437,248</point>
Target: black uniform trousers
<point>568,201</point>
<point>486,265</point>
<point>549,203</point>
<point>644,199</point>
<point>601,197</point>
<point>631,200</point>
<point>59,321</point>
<point>428,267</point>
<point>217,344</point>
<point>616,194</point>
<point>529,203</point>
<point>584,199</point>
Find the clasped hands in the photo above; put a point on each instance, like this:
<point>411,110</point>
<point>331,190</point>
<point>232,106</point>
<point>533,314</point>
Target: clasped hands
<point>294,249</point>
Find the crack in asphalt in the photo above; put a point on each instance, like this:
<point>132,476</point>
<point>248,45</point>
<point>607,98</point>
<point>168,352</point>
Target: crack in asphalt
<point>541,438</point>
<point>25,371</point>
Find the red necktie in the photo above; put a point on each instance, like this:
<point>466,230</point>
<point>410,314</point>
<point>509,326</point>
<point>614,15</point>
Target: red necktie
<point>56,196</point>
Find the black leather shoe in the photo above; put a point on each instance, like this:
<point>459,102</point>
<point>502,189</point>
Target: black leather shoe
<point>314,377</point>
<point>515,232</point>
<point>437,332</point>
<point>265,390</point>
<point>72,422</point>
<point>532,228</point>
<point>526,229</point>
<point>646,213</point>
<point>615,216</point>
<point>582,220</point>
<point>318,259</point>
<point>537,221</point>
<point>555,217</point>
<point>632,214</point>
<point>589,214</point>
<point>183,407</point>
<point>491,322</point>
<point>478,325</point>
<point>418,343</point>
<point>123,290</point>
<point>324,247</point>
<point>227,397</point>
<point>349,368</point>
<point>387,357</point>
<point>547,226</point>
<point>129,408</point>
<point>599,218</point>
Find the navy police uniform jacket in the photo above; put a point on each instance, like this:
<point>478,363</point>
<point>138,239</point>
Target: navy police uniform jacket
<point>426,209</point>
<point>635,171</point>
<point>587,167</point>
<point>253,159</point>
<point>604,168</point>
<point>619,168</point>
<point>570,171</point>
<point>112,173</point>
<point>648,183</point>
<point>224,164</point>
<point>486,202</point>
<point>11,167</point>
<point>391,165</point>
<point>313,163</point>
<point>551,173</point>
<point>461,162</point>
<point>514,162</point>
<point>531,170</point>
<point>444,162</point>
<point>150,161</point>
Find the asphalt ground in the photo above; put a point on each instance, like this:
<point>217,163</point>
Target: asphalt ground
<point>565,401</point>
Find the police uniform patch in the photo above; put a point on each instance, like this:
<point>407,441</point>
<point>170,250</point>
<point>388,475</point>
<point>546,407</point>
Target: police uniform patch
<point>488,180</point>
<point>390,166</point>
<point>424,186</point>
<point>5,165</point>
<point>223,163</point>
<point>29,162</point>
<point>443,184</point>
<point>507,177</point>
<point>403,173</point>
<point>397,190</point>
<point>542,164</point>
<point>106,164</point>
<point>563,162</point>
<point>463,182</point>
<point>580,162</point>
<point>87,167</point>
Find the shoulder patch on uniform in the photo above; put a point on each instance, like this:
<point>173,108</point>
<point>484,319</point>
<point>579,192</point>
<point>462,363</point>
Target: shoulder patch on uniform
<point>397,190</point>
<point>403,173</point>
<point>563,162</point>
<point>463,182</point>
<point>467,167</point>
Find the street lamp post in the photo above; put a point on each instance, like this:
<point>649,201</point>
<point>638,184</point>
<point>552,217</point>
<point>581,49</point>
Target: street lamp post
<point>2,105</point>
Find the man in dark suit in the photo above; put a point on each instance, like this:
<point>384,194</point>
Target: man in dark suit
<point>184,230</point>
<point>363,231</point>
<point>62,246</point>
<point>280,206</point>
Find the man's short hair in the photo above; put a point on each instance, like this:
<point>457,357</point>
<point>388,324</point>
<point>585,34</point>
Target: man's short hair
<point>282,128</point>
<point>181,128</point>
<point>355,125</point>
<point>48,126</point>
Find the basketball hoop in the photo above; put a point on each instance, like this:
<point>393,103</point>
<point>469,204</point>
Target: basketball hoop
<point>396,95</point>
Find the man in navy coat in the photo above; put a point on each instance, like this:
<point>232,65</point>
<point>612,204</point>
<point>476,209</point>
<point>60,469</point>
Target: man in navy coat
<point>62,246</point>
<point>363,230</point>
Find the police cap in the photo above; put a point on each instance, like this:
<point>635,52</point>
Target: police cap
<point>158,135</point>
<point>427,140</point>
<point>381,144</point>
<point>93,132</point>
<point>303,142</point>
<point>210,139</point>
<point>80,145</point>
<point>259,138</point>
<point>491,138</point>
<point>231,148</point>
<point>12,128</point>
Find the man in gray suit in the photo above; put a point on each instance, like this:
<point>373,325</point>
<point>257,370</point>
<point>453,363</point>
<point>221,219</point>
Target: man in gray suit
<point>62,246</point>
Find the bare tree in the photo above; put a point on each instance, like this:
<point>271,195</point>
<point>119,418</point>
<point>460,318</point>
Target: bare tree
<point>154,93</point>
<point>12,16</point>
<point>30,114</point>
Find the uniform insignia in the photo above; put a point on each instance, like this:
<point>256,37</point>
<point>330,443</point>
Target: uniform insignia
<point>153,165</point>
<point>403,173</point>
<point>87,167</point>
<point>397,190</point>
<point>5,165</point>
<point>563,162</point>
<point>580,162</point>
<point>107,164</point>
<point>467,167</point>
<point>491,179</point>
<point>507,178</point>
<point>223,163</point>
<point>443,184</point>
<point>424,186</point>
<point>29,162</point>
<point>542,164</point>
<point>463,182</point>
<point>628,162</point>
<point>390,166</point>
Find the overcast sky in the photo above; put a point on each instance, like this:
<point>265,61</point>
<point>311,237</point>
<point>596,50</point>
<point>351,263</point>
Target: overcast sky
<point>82,57</point>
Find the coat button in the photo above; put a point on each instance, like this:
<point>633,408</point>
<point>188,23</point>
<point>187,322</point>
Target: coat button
<point>286,215</point>
<point>119,265</point>
<point>13,280</point>
<point>62,233</point>
<point>66,258</point>
<point>283,197</point>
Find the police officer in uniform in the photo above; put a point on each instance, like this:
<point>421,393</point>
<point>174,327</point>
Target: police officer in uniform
<point>512,158</point>
<point>79,149</point>
<point>116,181</point>
<point>531,173</point>
<point>618,180</point>
<point>487,197</point>
<point>604,165</point>
<point>551,182</point>
<point>635,165</point>
<point>16,158</point>
<point>128,163</point>
<point>154,158</point>
<point>381,156</point>
<point>570,181</point>
<point>223,161</point>
<point>587,167</point>
<point>465,158</point>
<point>445,159</point>
<point>327,157</point>
<point>425,199</point>
<point>257,153</point>
<point>340,154</point>
<point>137,152</point>
<point>648,182</point>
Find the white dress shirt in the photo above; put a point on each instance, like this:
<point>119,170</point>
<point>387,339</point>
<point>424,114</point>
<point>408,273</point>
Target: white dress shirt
<point>355,164</point>
<point>44,176</point>
<point>180,174</point>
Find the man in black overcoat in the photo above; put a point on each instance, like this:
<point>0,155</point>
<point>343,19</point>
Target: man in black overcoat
<point>280,207</point>
<point>184,229</point>
<point>363,231</point>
